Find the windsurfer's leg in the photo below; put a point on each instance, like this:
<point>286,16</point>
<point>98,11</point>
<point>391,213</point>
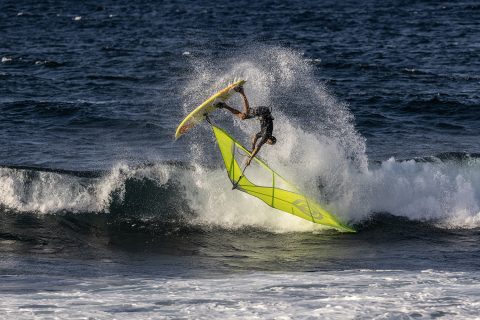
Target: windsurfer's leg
<point>256,150</point>
<point>246,105</point>
<point>235,112</point>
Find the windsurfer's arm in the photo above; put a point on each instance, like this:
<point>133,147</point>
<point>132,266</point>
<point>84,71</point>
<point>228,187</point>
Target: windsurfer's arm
<point>255,151</point>
<point>254,141</point>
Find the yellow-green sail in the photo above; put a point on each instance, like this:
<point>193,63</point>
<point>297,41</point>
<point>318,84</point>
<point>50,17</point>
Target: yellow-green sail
<point>273,189</point>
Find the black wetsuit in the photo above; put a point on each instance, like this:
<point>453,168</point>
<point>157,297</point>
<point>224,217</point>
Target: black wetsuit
<point>266,122</point>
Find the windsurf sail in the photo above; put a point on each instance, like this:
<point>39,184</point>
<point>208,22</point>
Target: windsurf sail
<point>267,185</point>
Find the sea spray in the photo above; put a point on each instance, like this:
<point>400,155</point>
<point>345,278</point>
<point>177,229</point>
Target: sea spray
<point>319,152</point>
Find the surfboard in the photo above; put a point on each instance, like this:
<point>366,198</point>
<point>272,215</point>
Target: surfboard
<point>208,106</point>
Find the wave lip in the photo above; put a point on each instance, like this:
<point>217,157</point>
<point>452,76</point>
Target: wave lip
<point>139,190</point>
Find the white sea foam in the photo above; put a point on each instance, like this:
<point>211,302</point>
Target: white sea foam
<point>362,294</point>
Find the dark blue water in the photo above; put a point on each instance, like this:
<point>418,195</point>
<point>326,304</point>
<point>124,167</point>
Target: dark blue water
<point>377,109</point>
<point>107,87</point>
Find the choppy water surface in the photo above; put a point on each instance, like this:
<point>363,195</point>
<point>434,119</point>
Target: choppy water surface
<point>377,115</point>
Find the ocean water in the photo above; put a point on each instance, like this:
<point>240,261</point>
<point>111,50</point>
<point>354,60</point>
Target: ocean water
<point>103,215</point>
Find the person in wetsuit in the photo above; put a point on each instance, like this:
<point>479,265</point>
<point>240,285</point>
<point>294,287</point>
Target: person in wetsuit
<point>262,113</point>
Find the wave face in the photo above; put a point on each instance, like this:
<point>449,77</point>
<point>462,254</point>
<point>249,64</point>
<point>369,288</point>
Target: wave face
<point>443,193</point>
